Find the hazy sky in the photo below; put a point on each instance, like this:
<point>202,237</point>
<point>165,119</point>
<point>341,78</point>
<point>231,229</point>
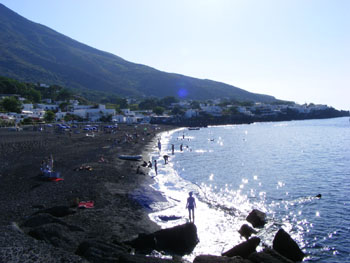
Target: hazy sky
<point>292,49</point>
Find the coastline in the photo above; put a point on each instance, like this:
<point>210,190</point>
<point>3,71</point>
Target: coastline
<point>121,196</point>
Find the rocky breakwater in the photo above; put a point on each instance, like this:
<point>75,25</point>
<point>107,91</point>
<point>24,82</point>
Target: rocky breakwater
<point>284,249</point>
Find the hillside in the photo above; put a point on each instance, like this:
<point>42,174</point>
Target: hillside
<point>35,53</point>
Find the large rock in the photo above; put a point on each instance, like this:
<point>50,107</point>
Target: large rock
<point>268,255</point>
<point>257,218</point>
<point>99,251</point>
<point>246,231</point>
<point>55,234</point>
<point>286,246</point>
<point>178,240</point>
<point>58,211</point>
<point>218,259</point>
<point>244,249</point>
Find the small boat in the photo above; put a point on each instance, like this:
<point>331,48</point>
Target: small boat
<point>130,157</point>
<point>193,128</point>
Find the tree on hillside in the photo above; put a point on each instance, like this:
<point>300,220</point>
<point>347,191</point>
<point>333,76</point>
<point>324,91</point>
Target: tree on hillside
<point>64,106</point>
<point>167,101</point>
<point>49,116</point>
<point>64,94</point>
<point>195,105</point>
<point>177,111</point>
<point>33,95</point>
<point>158,110</point>
<point>148,104</point>
<point>11,104</point>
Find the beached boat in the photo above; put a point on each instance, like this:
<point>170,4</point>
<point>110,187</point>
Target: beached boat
<point>194,128</point>
<point>130,157</point>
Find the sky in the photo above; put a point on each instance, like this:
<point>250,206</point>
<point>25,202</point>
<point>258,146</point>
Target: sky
<point>296,50</point>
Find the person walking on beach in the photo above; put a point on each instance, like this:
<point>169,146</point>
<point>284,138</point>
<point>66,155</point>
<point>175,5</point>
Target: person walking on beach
<point>166,158</point>
<point>159,145</point>
<point>155,167</point>
<point>191,204</point>
<point>172,149</point>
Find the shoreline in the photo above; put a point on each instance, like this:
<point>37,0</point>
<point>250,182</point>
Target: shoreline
<point>121,196</point>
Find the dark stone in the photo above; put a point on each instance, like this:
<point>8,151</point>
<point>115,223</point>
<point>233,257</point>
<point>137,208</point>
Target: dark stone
<point>58,211</point>
<point>244,249</point>
<point>55,234</point>
<point>246,231</point>
<point>318,196</point>
<point>169,218</point>
<point>99,251</point>
<point>144,243</point>
<point>218,259</point>
<point>257,218</point>
<point>268,255</point>
<point>286,246</point>
<point>178,240</point>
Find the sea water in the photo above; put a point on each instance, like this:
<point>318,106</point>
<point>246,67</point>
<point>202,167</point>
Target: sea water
<point>276,167</point>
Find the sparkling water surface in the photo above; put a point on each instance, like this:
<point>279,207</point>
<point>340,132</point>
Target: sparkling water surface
<point>276,167</point>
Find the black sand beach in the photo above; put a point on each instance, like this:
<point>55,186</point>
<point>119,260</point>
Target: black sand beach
<point>111,183</point>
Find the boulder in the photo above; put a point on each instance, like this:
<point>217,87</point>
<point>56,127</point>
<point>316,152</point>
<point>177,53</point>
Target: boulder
<point>55,234</point>
<point>144,243</point>
<point>178,240</point>
<point>244,249</point>
<point>286,246</point>
<point>268,255</point>
<point>95,250</point>
<point>58,211</point>
<point>246,231</point>
<point>218,259</point>
<point>256,218</point>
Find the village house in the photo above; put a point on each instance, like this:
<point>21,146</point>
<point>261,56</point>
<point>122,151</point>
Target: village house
<point>213,110</point>
<point>92,113</point>
<point>191,113</point>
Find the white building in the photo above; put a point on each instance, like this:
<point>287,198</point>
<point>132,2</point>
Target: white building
<point>52,107</point>
<point>211,109</point>
<point>191,113</point>
<point>94,114</point>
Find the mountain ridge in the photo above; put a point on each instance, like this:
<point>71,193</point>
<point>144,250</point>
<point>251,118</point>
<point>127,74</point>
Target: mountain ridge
<point>33,52</point>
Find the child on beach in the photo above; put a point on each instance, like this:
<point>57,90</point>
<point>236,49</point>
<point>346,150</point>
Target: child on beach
<point>191,204</point>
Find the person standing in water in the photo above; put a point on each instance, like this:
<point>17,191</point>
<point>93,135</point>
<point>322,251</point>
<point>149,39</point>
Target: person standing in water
<point>172,149</point>
<point>159,145</point>
<point>155,167</point>
<point>191,204</point>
